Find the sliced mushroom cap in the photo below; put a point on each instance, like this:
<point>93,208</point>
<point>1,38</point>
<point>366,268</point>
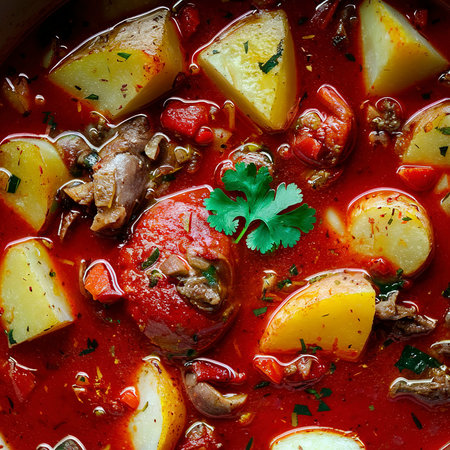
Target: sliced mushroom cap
<point>209,401</point>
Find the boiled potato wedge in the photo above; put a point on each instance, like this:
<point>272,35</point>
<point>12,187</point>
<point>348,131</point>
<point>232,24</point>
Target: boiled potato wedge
<point>160,417</point>
<point>31,294</point>
<point>253,63</point>
<point>315,438</point>
<point>126,67</point>
<point>40,171</point>
<point>425,137</point>
<point>393,226</point>
<point>395,55</point>
<point>315,315</point>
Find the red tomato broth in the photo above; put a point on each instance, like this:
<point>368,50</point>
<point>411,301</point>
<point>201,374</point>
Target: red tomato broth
<point>50,414</point>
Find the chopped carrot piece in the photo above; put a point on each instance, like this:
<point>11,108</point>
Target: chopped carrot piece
<point>419,178</point>
<point>129,397</point>
<point>98,283</point>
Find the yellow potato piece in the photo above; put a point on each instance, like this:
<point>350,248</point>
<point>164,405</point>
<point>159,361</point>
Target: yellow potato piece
<point>391,225</point>
<point>425,138</point>
<point>395,54</point>
<point>41,171</point>
<point>160,417</point>
<point>31,294</point>
<point>124,68</point>
<point>315,438</point>
<point>336,313</point>
<point>253,63</point>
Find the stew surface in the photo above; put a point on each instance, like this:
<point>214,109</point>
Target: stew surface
<point>158,310</point>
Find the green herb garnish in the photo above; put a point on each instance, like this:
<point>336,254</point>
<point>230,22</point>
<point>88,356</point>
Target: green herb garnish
<point>151,259</point>
<point>246,47</point>
<point>13,184</point>
<point>91,346</point>
<point>350,57</point>
<point>416,421</point>
<point>92,97</point>
<point>293,270</point>
<point>215,52</point>
<point>249,444</point>
<point>52,273</point>
<point>261,384</point>
<point>49,120</point>
<point>284,283</point>
<point>11,339</point>
<point>273,60</point>
<point>210,275</point>
<point>124,55</point>
<point>415,360</point>
<point>446,292</point>
<point>303,410</point>
<point>444,130</point>
<point>260,204</point>
<point>260,311</point>
<point>323,407</point>
<point>443,150</point>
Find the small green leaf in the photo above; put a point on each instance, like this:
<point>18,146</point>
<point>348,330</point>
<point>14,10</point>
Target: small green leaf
<point>416,421</point>
<point>261,384</point>
<point>11,339</point>
<point>302,410</point>
<point>406,219</point>
<point>91,347</point>
<point>415,360</point>
<point>332,368</point>
<point>124,55</point>
<point>52,273</point>
<point>350,57</point>
<point>293,270</point>
<point>92,97</point>
<point>446,292</point>
<point>284,283</point>
<point>151,259</point>
<point>246,47</point>
<point>273,60</point>
<point>215,52</point>
<point>13,184</point>
<point>443,150</point>
<point>210,275</point>
<point>323,407</point>
<point>260,311</point>
<point>249,444</point>
<point>371,408</point>
<point>325,392</point>
<point>444,130</point>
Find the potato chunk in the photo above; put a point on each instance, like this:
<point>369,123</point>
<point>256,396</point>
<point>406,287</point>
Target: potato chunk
<point>395,54</point>
<point>313,438</point>
<point>425,138</point>
<point>126,67</point>
<point>391,225</point>
<point>40,170</point>
<point>160,417</point>
<point>334,312</point>
<point>253,63</point>
<point>31,294</point>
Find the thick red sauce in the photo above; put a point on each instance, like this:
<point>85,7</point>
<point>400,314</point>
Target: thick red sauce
<point>359,399</point>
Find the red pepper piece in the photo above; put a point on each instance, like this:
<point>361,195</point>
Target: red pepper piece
<point>184,118</point>
<point>208,370</point>
<point>99,283</point>
<point>22,378</point>
<point>419,178</point>
<point>270,367</point>
<point>129,397</point>
<point>204,136</point>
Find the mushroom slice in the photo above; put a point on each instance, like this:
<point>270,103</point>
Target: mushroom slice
<point>209,401</point>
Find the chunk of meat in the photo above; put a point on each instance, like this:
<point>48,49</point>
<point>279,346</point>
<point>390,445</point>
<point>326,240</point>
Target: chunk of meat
<point>201,436</point>
<point>433,390</point>
<point>68,219</point>
<point>441,348</point>
<point>406,320</point>
<point>178,226</point>
<point>82,193</point>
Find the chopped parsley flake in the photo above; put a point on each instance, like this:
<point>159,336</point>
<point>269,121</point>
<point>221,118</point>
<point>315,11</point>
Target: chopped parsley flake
<point>11,339</point>
<point>406,219</point>
<point>151,259</point>
<point>350,57</point>
<point>210,275</point>
<point>444,130</point>
<point>215,52</point>
<point>246,47</point>
<point>323,407</point>
<point>302,410</point>
<point>443,150</point>
<point>416,421</point>
<point>92,97</point>
<point>260,311</point>
<point>284,283</point>
<point>332,368</point>
<point>90,160</point>
<point>13,184</point>
<point>446,292</point>
<point>415,360</point>
<point>91,347</point>
<point>261,384</point>
<point>49,120</point>
<point>52,273</point>
<point>249,444</point>
<point>124,55</point>
<point>293,270</point>
<point>273,60</point>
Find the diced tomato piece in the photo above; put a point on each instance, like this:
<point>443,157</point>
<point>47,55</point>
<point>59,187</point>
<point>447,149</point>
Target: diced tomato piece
<point>204,136</point>
<point>22,379</point>
<point>214,371</point>
<point>270,367</point>
<point>419,178</point>
<point>184,118</point>
<point>308,147</point>
<point>129,397</point>
<point>99,284</point>
<point>379,268</point>
<point>189,20</point>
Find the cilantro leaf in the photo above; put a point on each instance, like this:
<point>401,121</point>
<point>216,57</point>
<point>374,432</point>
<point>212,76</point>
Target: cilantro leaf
<point>262,205</point>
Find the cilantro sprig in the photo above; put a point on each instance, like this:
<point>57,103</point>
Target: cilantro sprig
<point>259,204</point>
